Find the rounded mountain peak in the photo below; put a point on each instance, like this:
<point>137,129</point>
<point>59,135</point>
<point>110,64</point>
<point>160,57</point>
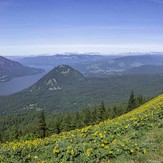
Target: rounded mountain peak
<point>58,78</point>
<point>65,72</point>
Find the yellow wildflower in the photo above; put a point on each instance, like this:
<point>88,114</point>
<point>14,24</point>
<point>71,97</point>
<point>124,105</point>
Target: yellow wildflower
<point>144,151</point>
<point>101,136</point>
<point>88,151</point>
<point>132,150</point>
<point>72,152</point>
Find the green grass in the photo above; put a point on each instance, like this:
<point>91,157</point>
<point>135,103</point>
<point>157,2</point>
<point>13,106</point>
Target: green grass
<point>153,140</point>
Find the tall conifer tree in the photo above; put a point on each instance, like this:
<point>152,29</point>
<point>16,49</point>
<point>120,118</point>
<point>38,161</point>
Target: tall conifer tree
<point>41,124</point>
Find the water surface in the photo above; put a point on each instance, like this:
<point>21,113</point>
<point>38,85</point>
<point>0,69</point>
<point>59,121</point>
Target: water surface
<point>19,83</point>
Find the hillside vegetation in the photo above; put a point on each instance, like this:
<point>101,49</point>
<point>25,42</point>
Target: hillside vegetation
<point>132,137</point>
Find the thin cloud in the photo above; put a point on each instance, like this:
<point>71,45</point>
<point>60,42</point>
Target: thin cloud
<point>85,48</point>
<point>138,46</point>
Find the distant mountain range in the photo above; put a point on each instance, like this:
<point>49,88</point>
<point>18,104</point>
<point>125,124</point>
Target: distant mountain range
<point>97,65</point>
<point>66,89</point>
<point>10,69</point>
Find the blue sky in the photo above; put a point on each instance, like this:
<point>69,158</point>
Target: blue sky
<point>56,26</point>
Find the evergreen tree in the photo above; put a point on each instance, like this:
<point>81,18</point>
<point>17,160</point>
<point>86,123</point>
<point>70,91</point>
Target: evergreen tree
<point>114,112</point>
<point>66,120</point>
<point>86,118</point>
<point>95,115</point>
<point>131,102</point>
<point>102,111</point>
<point>57,125</point>
<point>76,120</point>
<point>14,133</point>
<point>140,100</point>
<point>0,137</point>
<point>41,124</point>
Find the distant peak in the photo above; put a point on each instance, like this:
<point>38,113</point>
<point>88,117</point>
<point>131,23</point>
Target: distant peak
<point>62,66</point>
<point>58,78</point>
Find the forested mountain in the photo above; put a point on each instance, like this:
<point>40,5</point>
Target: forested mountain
<point>56,79</point>
<point>10,69</point>
<point>66,89</point>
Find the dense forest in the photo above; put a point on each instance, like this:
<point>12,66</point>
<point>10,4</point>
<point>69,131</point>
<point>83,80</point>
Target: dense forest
<point>38,124</point>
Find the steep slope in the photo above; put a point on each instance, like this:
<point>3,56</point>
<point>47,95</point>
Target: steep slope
<point>10,69</point>
<point>132,137</point>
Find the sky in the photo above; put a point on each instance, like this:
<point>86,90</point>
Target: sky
<point>33,27</point>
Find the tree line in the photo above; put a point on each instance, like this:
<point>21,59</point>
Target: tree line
<point>41,124</point>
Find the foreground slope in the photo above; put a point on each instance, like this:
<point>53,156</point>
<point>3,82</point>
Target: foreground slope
<point>135,136</point>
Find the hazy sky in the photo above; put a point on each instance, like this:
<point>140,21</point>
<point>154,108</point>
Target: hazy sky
<point>55,26</point>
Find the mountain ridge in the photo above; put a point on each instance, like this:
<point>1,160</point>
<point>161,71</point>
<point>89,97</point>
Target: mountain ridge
<point>146,69</point>
<point>10,69</point>
<point>96,65</point>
